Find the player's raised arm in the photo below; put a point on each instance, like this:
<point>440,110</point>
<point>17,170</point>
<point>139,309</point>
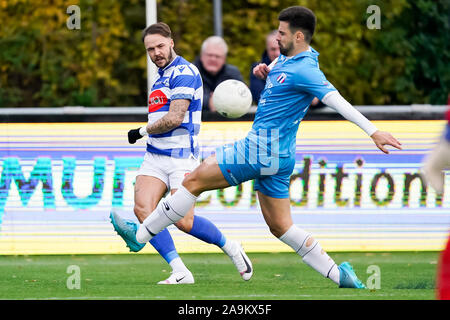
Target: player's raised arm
<point>380,138</point>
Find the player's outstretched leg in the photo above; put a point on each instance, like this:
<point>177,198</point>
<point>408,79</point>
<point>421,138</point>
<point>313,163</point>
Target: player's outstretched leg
<point>207,176</point>
<point>314,256</point>
<point>277,214</point>
<point>163,243</point>
<point>203,229</point>
<point>175,207</point>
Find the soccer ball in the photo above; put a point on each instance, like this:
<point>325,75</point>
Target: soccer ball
<point>232,98</point>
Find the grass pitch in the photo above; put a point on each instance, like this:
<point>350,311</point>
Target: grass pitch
<point>277,276</point>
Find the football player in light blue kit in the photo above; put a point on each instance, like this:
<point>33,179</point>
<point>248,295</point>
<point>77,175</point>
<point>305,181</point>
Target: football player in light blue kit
<point>267,154</point>
<point>174,120</point>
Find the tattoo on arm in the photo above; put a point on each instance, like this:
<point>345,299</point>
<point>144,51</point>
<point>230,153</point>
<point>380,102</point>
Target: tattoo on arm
<point>172,119</point>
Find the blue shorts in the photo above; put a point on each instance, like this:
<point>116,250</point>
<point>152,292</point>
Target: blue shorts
<point>271,173</point>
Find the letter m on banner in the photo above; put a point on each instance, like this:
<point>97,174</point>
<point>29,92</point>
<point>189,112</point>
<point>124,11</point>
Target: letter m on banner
<point>12,171</point>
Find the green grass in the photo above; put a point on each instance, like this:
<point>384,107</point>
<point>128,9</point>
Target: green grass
<point>404,276</point>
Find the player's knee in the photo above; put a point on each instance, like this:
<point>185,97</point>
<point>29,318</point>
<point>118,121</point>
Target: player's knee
<point>189,181</point>
<point>193,183</point>
<point>276,230</point>
<point>279,227</point>
<point>185,224</point>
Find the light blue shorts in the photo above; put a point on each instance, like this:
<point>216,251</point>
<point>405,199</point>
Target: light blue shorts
<point>239,163</point>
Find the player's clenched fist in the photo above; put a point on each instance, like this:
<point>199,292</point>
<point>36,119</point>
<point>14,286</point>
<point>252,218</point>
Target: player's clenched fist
<point>134,135</point>
<point>261,71</point>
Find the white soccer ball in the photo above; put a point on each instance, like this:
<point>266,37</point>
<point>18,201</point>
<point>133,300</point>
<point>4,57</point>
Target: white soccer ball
<point>232,98</point>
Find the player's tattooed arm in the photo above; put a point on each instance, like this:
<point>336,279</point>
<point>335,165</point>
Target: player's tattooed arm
<point>172,119</point>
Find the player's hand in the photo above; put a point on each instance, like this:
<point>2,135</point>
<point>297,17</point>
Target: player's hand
<point>261,71</point>
<point>382,138</point>
<point>134,135</point>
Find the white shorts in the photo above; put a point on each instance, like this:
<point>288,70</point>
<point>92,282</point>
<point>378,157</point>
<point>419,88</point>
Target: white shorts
<point>169,170</point>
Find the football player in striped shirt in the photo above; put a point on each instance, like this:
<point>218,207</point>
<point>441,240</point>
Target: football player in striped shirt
<point>174,118</point>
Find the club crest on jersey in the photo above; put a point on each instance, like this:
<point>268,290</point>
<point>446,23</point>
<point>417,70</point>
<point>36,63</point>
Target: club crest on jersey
<point>156,100</point>
<point>281,78</point>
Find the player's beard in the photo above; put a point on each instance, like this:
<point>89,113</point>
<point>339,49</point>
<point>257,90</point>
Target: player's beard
<point>168,59</point>
<point>287,49</point>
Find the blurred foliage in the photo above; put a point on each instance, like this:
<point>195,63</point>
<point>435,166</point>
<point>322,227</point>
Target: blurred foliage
<point>421,36</point>
<point>43,63</point>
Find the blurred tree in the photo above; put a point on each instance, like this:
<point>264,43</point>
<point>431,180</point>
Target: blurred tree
<point>191,22</point>
<point>43,63</point>
<point>421,36</point>
<point>350,55</point>
<point>347,47</point>
<point>131,65</point>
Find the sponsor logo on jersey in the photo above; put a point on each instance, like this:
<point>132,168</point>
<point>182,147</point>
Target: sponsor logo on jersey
<point>156,101</point>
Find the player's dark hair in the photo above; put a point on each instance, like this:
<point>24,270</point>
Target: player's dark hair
<point>157,28</point>
<point>299,18</point>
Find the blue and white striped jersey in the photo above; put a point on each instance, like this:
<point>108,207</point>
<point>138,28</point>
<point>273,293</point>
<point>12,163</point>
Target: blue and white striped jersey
<point>179,80</point>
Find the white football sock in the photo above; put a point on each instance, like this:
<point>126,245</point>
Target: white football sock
<point>313,255</point>
<point>178,265</point>
<point>168,211</point>
<point>230,248</point>
<point>334,274</point>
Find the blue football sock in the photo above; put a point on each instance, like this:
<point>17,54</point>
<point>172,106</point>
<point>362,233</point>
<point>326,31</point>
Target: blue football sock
<point>163,243</point>
<point>205,230</point>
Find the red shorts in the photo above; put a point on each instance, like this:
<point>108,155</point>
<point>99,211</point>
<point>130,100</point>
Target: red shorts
<point>444,274</point>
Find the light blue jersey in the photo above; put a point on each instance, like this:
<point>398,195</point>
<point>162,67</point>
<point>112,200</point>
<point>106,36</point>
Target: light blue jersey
<point>290,88</point>
<point>267,154</point>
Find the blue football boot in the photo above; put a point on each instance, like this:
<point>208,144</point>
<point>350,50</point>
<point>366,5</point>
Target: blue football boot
<point>348,278</point>
<point>127,230</point>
